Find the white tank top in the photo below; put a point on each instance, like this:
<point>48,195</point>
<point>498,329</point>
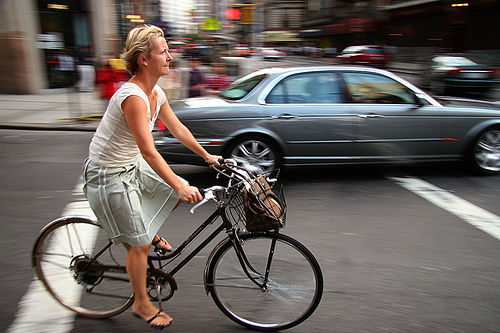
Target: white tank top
<point>113,145</point>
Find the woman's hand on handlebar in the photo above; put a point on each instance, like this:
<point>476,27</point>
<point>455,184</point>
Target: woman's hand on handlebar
<point>189,194</point>
<point>213,159</point>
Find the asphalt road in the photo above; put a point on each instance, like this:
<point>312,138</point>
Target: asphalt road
<point>393,260</point>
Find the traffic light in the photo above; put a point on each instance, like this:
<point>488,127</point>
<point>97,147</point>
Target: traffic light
<point>241,13</point>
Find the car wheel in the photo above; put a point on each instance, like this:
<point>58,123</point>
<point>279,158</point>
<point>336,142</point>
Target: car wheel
<point>258,151</point>
<point>484,154</point>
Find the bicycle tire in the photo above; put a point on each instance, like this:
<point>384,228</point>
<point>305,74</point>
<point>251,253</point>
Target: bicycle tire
<point>293,292</point>
<point>60,257</point>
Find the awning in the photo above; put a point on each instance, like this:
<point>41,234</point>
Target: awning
<point>281,36</point>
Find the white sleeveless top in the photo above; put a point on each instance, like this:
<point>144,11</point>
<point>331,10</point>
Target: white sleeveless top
<point>113,145</point>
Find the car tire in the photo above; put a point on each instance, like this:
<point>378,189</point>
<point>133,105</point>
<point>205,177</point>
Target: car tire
<point>483,156</point>
<point>255,150</point>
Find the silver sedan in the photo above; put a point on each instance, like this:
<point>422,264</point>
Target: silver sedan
<point>335,115</point>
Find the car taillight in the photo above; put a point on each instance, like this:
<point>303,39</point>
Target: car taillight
<point>455,71</point>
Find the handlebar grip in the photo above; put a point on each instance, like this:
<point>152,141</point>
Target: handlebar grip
<point>221,160</point>
<point>202,192</point>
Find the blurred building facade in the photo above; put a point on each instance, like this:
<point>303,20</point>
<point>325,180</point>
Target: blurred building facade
<point>283,21</point>
<point>35,33</point>
<point>452,25</point>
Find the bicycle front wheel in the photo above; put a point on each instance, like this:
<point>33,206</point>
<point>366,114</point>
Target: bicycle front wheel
<point>291,294</point>
<point>62,257</point>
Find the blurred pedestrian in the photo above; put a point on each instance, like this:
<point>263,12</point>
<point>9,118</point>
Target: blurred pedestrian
<point>171,83</point>
<point>86,70</point>
<point>128,184</point>
<point>218,80</point>
<point>66,68</point>
<point>196,78</point>
<point>108,80</point>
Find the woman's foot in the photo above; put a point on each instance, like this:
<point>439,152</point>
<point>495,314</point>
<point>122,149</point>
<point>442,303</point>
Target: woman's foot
<point>154,317</point>
<point>161,243</point>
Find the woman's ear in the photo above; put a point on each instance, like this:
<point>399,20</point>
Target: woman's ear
<point>142,60</point>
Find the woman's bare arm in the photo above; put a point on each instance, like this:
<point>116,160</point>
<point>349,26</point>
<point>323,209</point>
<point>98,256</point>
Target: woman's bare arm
<point>183,134</point>
<point>135,111</point>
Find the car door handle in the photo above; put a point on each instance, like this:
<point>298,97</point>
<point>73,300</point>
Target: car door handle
<point>371,115</point>
<point>284,116</point>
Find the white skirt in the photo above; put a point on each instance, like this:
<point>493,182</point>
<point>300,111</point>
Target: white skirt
<point>131,203</point>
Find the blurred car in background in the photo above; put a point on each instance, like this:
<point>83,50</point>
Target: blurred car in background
<point>457,73</point>
<point>242,51</point>
<point>333,115</point>
<point>370,55</point>
<point>330,52</point>
<point>271,54</point>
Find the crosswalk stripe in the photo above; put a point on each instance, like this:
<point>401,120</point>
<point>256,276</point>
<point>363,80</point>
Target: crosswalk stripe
<point>470,213</point>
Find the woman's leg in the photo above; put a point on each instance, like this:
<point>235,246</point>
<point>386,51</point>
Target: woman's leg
<point>136,269</point>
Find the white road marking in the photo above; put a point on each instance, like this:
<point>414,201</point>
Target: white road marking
<point>38,311</point>
<point>470,213</point>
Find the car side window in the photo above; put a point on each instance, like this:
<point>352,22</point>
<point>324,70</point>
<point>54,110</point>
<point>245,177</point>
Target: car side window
<point>378,89</point>
<point>307,88</point>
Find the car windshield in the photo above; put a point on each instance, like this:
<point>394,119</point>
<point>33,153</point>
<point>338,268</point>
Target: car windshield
<point>240,88</point>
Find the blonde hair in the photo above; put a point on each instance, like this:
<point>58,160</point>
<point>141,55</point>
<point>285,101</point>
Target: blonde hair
<point>139,41</point>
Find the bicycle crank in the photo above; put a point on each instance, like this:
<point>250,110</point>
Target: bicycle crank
<point>161,285</point>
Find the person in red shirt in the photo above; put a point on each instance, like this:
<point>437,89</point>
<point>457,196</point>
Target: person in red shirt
<point>218,81</point>
<point>109,80</point>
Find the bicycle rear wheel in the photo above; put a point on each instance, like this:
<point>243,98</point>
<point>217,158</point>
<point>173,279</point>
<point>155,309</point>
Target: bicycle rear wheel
<point>61,257</point>
<point>294,288</point>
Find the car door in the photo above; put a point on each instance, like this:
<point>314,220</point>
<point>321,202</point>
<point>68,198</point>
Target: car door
<point>308,114</point>
<point>390,124</point>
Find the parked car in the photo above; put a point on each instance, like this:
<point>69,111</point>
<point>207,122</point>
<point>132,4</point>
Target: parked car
<point>457,73</point>
<point>334,115</point>
<point>370,55</point>
<point>271,54</point>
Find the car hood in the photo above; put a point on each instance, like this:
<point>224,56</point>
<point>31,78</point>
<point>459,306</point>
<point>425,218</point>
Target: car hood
<point>198,103</point>
<point>200,108</point>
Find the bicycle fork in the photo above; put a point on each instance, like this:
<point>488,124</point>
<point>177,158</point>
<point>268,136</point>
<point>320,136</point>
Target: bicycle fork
<point>245,264</point>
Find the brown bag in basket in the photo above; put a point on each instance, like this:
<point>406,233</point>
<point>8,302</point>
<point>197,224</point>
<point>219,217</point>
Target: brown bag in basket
<point>264,210</point>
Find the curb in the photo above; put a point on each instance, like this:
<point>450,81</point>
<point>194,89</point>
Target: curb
<point>46,127</point>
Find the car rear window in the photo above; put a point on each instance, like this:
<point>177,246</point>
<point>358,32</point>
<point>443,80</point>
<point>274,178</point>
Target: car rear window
<point>240,88</point>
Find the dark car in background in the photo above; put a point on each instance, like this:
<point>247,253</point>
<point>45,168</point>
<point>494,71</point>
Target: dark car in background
<point>448,74</point>
<point>333,115</point>
<point>370,55</point>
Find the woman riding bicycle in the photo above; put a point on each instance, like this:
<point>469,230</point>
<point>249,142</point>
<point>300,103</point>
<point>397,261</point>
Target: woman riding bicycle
<point>130,187</point>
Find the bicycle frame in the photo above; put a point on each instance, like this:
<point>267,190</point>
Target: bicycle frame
<point>232,234</point>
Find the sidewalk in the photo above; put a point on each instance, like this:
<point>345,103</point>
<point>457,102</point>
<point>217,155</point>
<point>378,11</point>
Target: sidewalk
<point>54,109</point>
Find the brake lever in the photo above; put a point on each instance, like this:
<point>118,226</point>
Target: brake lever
<point>209,195</point>
<point>202,202</point>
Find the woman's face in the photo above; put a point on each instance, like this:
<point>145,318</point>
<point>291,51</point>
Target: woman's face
<point>160,58</point>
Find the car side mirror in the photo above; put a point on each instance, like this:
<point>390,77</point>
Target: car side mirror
<point>420,100</point>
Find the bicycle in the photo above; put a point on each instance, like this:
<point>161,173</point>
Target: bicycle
<point>265,281</point>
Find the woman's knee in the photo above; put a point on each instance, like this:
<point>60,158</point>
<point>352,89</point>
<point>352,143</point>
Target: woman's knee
<point>139,249</point>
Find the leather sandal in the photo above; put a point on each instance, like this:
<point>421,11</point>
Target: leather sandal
<point>161,250</point>
<point>158,314</point>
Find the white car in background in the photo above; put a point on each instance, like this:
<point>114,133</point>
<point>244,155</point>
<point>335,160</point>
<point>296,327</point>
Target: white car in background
<point>271,54</point>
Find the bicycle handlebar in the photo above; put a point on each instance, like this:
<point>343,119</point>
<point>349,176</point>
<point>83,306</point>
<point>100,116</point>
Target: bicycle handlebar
<point>226,165</point>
